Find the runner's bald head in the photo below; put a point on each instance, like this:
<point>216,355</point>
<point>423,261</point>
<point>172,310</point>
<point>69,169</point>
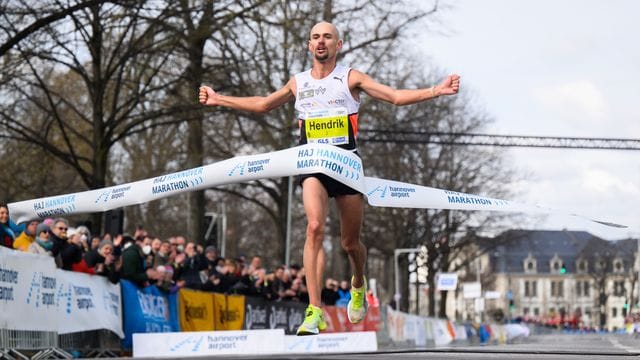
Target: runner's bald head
<point>324,27</point>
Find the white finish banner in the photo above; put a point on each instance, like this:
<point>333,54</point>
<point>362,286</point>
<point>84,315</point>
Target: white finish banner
<point>28,287</point>
<point>332,161</point>
<point>88,302</point>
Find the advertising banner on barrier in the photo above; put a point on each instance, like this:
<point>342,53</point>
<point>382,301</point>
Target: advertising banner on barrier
<point>337,320</point>
<point>87,302</point>
<point>262,314</point>
<point>196,310</point>
<point>229,311</point>
<point>28,291</point>
<point>188,344</point>
<point>147,310</point>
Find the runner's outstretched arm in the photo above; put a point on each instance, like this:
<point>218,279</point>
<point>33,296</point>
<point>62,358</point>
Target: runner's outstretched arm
<point>357,79</point>
<point>257,104</point>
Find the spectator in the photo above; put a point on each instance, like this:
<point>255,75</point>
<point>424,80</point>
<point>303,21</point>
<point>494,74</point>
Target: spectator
<point>27,237</point>
<point>255,276</point>
<point>161,258</point>
<point>58,235</point>
<point>84,236</point>
<point>165,281</point>
<point>213,260</point>
<point>190,270</point>
<point>279,283</point>
<point>102,261</point>
<point>133,267</point>
<point>227,281</point>
<point>95,242</point>
<point>8,229</point>
<point>329,294</point>
<point>155,245</point>
<point>75,242</point>
<point>42,244</point>
<point>297,291</point>
<point>72,251</point>
<point>344,294</point>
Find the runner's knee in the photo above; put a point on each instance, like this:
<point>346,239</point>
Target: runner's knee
<point>315,230</point>
<point>350,244</point>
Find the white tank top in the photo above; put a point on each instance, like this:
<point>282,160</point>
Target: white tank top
<point>326,110</point>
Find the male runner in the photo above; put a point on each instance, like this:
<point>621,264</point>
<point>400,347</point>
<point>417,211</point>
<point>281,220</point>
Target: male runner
<point>328,97</point>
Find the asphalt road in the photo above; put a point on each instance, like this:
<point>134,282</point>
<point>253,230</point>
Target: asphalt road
<point>556,346</point>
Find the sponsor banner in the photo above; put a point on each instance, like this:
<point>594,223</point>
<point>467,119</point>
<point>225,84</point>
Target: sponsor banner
<point>29,298</point>
<point>442,335</point>
<point>196,310</point>
<point>202,343</point>
<point>332,343</point>
<point>147,310</point>
<point>87,302</point>
<point>395,322</point>
<point>446,281</point>
<point>338,321</point>
<point>262,314</point>
<point>340,164</point>
<point>471,290</point>
<point>228,311</point>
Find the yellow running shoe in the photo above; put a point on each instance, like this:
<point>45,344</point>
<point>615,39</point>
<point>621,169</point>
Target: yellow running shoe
<point>313,321</point>
<point>357,307</point>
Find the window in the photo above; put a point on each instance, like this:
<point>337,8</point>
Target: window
<point>525,311</point>
<point>618,288</point>
<point>557,289</point>
<point>614,312</point>
<point>585,288</point>
<point>530,288</point>
<point>560,289</point>
<point>582,266</point>
<point>536,311</point>
<point>530,265</point>
<point>617,266</point>
<point>579,288</point>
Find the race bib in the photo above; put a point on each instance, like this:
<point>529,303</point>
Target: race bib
<point>329,126</point>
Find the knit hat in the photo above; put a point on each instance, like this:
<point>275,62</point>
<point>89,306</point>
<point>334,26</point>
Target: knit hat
<point>210,248</point>
<point>42,227</point>
<point>103,243</point>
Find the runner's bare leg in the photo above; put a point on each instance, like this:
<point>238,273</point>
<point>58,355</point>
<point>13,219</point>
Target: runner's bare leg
<point>316,206</point>
<point>351,209</point>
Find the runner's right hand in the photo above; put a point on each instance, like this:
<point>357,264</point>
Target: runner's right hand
<point>206,95</point>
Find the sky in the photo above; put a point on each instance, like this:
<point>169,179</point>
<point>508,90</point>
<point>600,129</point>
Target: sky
<point>554,68</point>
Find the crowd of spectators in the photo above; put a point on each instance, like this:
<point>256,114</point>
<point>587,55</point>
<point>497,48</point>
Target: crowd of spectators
<point>169,264</point>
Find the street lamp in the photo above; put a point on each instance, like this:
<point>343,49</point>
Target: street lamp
<point>397,296</point>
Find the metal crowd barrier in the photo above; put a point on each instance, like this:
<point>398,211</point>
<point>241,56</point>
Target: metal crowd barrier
<point>16,344</point>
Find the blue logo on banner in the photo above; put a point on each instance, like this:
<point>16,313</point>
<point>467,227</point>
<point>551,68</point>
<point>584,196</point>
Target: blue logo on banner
<point>147,310</point>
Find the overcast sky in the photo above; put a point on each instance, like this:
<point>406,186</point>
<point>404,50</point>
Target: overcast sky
<point>555,68</point>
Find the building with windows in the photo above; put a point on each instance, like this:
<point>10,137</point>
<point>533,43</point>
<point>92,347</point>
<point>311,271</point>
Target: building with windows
<point>562,276</point>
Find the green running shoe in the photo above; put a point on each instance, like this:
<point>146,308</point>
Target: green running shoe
<point>357,307</point>
<point>313,322</point>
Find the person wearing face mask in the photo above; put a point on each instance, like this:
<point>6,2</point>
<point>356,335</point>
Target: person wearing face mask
<point>134,267</point>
